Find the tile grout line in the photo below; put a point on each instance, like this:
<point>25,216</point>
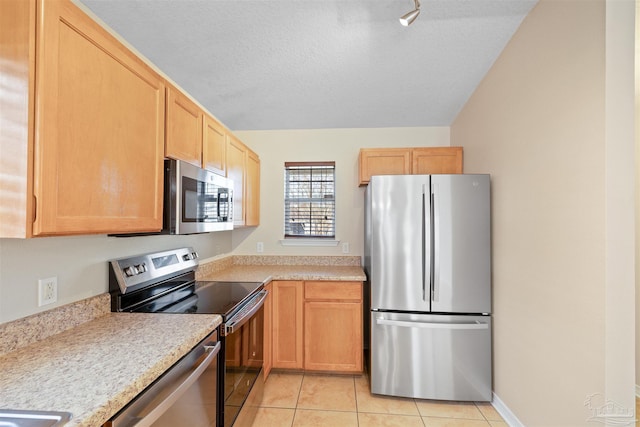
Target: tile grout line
<point>355,396</point>
<point>295,410</point>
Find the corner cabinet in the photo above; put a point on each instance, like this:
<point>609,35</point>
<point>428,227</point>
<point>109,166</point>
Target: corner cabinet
<point>408,161</point>
<point>99,129</point>
<point>243,167</point>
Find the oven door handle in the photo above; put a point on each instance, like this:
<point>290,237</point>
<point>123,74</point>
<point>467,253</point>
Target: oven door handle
<point>245,313</point>
<point>153,415</point>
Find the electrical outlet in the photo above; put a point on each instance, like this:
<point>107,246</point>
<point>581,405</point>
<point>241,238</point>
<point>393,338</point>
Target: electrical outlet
<point>345,247</point>
<point>259,247</point>
<point>47,291</point>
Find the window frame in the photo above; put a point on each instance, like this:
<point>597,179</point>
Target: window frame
<point>327,165</point>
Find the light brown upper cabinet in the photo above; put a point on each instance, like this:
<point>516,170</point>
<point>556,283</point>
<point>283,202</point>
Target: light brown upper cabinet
<point>252,196</point>
<point>383,161</point>
<point>243,167</point>
<point>236,166</point>
<point>436,160</point>
<point>407,161</point>
<point>193,135</point>
<point>88,145</point>
<point>214,146</point>
<point>184,128</point>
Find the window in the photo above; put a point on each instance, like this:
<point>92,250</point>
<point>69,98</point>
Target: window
<point>309,199</point>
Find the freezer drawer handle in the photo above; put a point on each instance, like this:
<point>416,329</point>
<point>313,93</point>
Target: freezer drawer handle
<point>432,325</point>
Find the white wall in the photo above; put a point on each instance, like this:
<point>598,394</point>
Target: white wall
<point>620,182</point>
<point>80,263</point>
<point>551,122</point>
<point>339,145</point>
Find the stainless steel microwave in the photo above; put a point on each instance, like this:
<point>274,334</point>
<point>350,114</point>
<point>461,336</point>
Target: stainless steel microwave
<point>195,200</point>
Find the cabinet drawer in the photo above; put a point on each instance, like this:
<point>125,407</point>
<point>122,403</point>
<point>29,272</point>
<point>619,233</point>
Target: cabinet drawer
<point>343,291</point>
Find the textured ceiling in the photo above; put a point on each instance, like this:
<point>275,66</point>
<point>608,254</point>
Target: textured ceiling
<point>313,64</point>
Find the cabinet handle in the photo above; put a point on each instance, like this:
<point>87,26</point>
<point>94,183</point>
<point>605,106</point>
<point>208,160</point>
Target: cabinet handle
<point>35,208</point>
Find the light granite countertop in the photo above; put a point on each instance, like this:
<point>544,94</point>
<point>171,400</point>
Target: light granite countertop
<point>96,368</point>
<point>266,273</point>
<point>264,268</point>
<point>83,359</point>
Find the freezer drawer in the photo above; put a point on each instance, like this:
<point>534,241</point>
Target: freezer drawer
<point>431,356</point>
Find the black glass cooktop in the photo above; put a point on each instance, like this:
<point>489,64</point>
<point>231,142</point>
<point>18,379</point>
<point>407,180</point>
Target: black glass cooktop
<point>183,296</point>
<point>224,298</point>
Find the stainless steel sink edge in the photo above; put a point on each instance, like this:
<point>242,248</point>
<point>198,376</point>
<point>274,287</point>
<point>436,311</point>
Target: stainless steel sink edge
<point>29,418</point>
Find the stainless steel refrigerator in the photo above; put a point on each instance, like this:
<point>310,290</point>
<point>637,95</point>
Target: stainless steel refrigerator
<point>428,265</point>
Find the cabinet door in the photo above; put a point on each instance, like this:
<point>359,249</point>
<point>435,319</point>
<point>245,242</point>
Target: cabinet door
<point>383,161</point>
<point>436,160</point>
<point>333,336</point>
<point>287,324</point>
<point>268,332</point>
<point>17,40</point>
<point>184,128</point>
<point>214,146</point>
<point>252,196</point>
<point>333,326</point>
<point>236,166</point>
<point>99,130</point>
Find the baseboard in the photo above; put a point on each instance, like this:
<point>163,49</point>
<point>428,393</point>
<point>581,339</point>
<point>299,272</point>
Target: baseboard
<point>637,390</point>
<point>508,416</point>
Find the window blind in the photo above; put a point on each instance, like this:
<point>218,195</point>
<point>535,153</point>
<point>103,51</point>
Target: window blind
<point>309,199</point>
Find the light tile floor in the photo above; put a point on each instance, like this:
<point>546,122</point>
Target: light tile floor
<point>298,400</point>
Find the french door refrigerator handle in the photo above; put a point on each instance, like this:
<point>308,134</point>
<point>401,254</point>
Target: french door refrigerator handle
<point>433,325</point>
<point>426,242</point>
<point>435,255</point>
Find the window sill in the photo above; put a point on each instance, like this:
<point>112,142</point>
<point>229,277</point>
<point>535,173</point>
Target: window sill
<point>309,242</point>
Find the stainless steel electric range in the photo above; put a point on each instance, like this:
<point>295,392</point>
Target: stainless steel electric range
<point>164,282</point>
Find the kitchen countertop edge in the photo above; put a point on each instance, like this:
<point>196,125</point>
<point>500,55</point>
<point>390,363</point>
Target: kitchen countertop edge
<point>266,273</point>
<point>57,373</point>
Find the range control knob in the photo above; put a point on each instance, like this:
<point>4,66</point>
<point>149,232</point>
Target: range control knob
<point>194,255</point>
<point>186,257</point>
<point>141,268</point>
<point>130,271</point>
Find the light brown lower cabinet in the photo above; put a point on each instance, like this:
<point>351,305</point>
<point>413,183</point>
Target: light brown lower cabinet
<point>317,326</point>
<point>287,324</point>
<point>333,326</point>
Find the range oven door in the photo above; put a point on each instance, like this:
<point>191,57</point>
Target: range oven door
<point>243,343</point>
<point>184,395</point>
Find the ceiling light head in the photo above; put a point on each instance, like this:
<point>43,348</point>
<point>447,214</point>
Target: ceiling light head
<point>408,18</point>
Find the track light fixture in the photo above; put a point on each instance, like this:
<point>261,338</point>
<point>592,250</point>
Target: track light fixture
<point>408,19</point>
